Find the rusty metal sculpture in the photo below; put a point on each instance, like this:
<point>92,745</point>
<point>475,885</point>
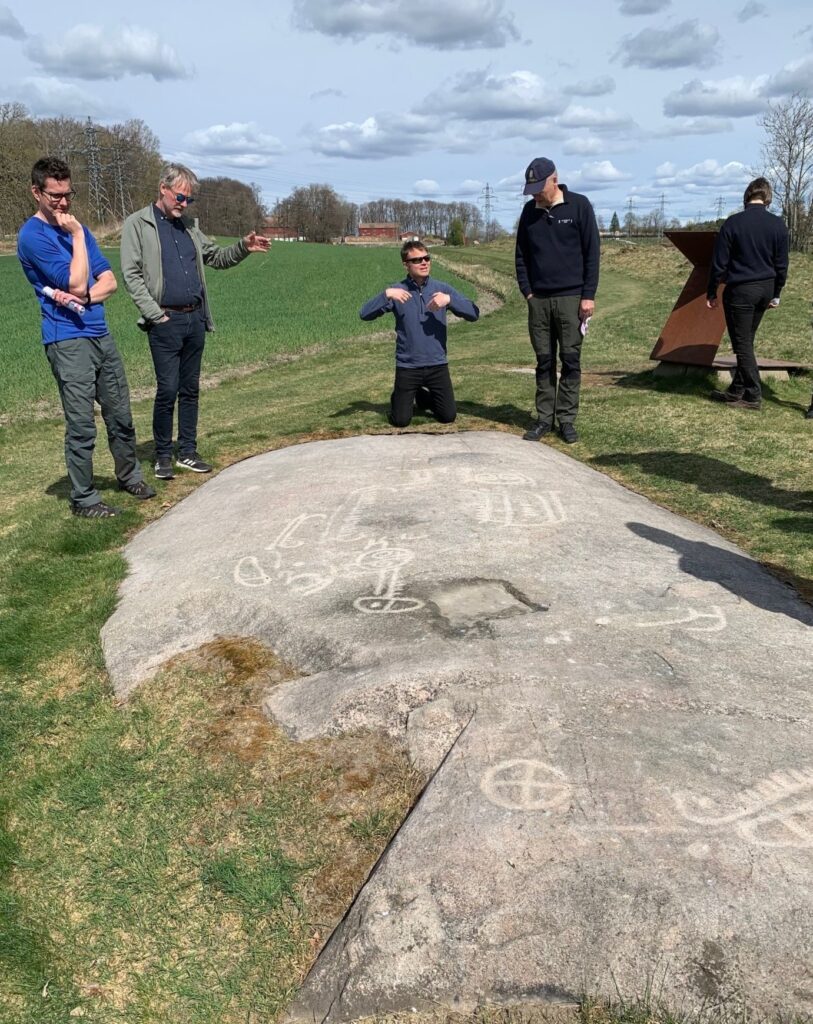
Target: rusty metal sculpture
<point>692,334</point>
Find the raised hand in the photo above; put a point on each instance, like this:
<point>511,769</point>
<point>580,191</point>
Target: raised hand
<point>438,301</point>
<point>256,243</point>
<point>398,294</point>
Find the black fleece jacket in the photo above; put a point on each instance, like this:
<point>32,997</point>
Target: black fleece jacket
<point>558,248</point>
<point>752,246</point>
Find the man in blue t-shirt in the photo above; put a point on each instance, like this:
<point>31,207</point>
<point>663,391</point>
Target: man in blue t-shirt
<point>71,279</point>
<point>419,304</point>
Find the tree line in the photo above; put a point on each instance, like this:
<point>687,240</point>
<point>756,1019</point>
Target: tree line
<point>318,213</point>
<point>115,170</point>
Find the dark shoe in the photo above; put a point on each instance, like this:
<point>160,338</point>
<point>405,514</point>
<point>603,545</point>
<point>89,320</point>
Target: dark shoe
<point>163,468</point>
<point>194,462</point>
<point>743,403</point>
<point>729,397</point>
<point>809,413</point>
<point>141,490</point>
<point>423,400</point>
<point>537,432</point>
<point>97,511</point>
<point>568,434</point>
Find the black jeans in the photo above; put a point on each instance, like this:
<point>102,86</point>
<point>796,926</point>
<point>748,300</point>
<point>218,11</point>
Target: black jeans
<point>177,351</point>
<point>744,305</point>
<point>441,395</point>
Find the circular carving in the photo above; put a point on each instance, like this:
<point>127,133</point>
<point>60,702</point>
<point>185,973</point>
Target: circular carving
<point>523,785</point>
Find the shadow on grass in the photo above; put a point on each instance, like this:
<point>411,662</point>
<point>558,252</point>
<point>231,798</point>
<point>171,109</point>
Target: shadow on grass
<point>711,476</point>
<point>509,414</point>
<point>737,573</point>
<point>382,408</point>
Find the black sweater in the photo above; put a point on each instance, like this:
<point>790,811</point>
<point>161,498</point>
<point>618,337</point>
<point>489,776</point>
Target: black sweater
<point>558,248</point>
<point>752,246</point>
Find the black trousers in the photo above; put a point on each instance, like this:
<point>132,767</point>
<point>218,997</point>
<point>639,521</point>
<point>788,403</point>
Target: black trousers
<point>177,351</point>
<point>744,306</point>
<point>436,380</point>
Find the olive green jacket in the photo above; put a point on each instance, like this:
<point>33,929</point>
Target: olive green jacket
<point>141,264</point>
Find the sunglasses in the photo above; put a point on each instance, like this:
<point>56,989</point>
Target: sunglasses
<point>419,259</point>
<point>179,197</point>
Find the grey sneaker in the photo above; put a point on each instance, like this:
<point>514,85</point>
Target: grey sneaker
<point>163,468</point>
<point>141,490</point>
<point>809,413</point>
<point>97,511</point>
<point>193,461</point>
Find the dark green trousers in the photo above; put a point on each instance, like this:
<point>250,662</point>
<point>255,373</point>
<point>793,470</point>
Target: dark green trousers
<point>553,324</point>
<point>89,370</point>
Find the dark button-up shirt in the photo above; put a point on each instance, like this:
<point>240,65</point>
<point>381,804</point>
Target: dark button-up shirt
<point>182,285</point>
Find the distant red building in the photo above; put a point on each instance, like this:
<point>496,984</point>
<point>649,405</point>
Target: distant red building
<point>379,230</point>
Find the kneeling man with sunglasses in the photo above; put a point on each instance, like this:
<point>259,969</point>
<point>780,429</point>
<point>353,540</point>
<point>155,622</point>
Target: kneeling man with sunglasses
<point>419,304</point>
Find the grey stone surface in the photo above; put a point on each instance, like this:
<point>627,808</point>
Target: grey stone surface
<point>615,704</point>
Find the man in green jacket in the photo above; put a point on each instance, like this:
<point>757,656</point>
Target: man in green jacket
<point>162,261</point>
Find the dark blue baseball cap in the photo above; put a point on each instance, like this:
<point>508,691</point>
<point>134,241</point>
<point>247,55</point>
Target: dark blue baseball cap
<point>538,172</point>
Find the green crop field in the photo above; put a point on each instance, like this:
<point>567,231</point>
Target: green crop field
<point>178,858</point>
<point>290,299</point>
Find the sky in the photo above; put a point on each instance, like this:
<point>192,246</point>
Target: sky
<point>646,102</point>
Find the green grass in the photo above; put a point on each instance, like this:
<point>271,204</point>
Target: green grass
<point>177,858</point>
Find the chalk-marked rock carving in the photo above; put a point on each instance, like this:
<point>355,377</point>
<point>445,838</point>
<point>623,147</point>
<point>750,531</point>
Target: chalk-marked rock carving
<point>523,785</point>
<point>776,812</point>
<point>502,508</point>
<point>386,598</point>
<point>716,621</point>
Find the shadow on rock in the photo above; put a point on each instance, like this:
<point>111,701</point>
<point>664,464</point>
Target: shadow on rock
<point>740,575</point>
<point>712,477</point>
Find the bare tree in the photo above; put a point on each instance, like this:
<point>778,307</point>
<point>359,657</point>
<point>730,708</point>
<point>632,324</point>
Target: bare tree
<point>787,156</point>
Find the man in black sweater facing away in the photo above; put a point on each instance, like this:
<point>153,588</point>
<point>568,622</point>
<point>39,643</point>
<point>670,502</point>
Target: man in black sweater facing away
<point>557,258</point>
<point>751,255</point>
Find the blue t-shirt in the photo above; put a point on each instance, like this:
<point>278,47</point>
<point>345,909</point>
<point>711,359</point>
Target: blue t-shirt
<point>45,253</point>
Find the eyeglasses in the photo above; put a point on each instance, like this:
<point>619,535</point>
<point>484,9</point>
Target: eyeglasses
<point>57,197</point>
<point>419,259</point>
<point>179,197</point>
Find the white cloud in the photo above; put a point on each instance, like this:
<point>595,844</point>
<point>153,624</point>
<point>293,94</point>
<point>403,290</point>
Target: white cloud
<point>794,77</point>
<point>635,7</point>
<point>596,175</point>
<point>728,97</point>
<point>598,120</point>
<point>600,86</point>
<point>594,145</point>
<point>386,135</point>
<point>9,26</point>
<point>233,145</point>
<point>688,44</point>
<point>752,9</point>
<point>705,175</point>
<point>95,52</point>
<point>469,187</point>
<point>426,187</point>
<point>48,97</point>
<point>483,96</point>
<point>698,126</point>
<point>438,24</point>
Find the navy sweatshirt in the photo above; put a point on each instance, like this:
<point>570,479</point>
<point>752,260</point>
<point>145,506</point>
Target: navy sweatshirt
<point>558,248</point>
<point>420,334</point>
<point>752,246</point>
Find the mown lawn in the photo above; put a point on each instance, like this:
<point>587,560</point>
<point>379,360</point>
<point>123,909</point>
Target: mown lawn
<point>177,858</point>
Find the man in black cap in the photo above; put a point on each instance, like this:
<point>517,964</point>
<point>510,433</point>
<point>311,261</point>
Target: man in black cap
<point>557,256</point>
